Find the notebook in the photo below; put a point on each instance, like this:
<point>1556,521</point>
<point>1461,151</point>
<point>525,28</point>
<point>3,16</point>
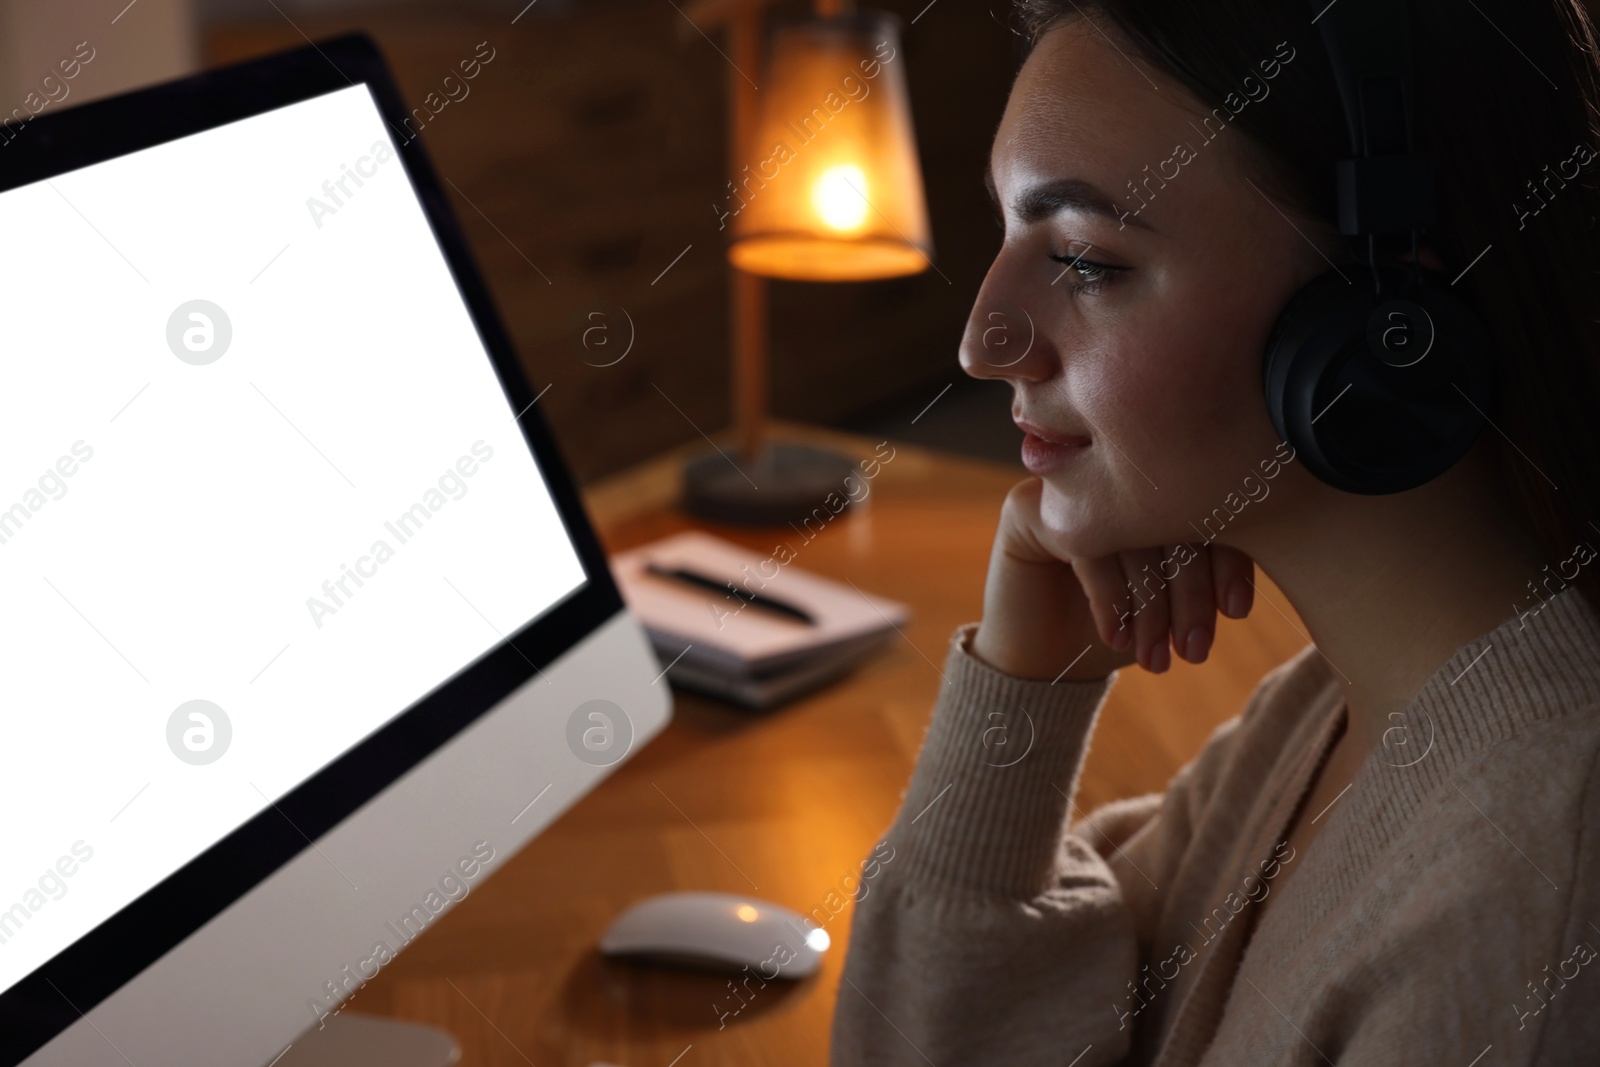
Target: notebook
<point>745,640</point>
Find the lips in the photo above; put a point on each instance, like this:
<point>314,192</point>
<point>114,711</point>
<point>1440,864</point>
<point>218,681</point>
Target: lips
<point>1053,437</point>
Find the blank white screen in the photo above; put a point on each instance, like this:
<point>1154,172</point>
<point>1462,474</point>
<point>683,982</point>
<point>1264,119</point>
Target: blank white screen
<point>207,504</point>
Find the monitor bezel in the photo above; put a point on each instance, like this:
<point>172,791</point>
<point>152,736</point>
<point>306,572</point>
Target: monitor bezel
<point>58,993</point>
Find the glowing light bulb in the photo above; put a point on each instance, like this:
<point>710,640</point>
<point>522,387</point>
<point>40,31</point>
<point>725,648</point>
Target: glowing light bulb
<point>840,196</point>
<point>746,913</point>
<point>818,940</point>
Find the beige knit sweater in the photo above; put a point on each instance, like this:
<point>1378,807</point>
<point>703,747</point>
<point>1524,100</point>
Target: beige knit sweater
<point>1447,914</point>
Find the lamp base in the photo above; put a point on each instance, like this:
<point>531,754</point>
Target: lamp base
<point>785,484</point>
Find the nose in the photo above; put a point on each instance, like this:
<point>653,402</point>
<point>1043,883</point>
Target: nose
<point>1005,335</point>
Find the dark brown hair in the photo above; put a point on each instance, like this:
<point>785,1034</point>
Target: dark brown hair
<point>1505,92</point>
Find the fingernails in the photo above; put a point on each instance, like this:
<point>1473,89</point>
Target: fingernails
<point>1238,599</point>
<point>1160,658</point>
<point>1197,644</point>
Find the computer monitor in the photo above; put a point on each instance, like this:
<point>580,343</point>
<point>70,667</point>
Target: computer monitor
<point>305,629</point>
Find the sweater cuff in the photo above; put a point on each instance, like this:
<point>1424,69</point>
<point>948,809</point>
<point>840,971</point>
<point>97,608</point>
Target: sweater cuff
<point>987,805</point>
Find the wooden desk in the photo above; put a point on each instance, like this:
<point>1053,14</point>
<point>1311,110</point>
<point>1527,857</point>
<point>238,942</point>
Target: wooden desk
<point>781,804</point>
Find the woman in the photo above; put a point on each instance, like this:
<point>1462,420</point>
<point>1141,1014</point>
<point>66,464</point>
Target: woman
<point>1392,855</point>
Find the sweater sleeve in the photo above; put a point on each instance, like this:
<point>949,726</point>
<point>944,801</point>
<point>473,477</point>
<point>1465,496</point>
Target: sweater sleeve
<point>991,935</point>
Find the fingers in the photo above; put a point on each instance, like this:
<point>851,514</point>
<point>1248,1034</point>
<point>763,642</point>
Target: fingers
<point>1128,605</point>
<point>1232,575</point>
<point>1149,606</point>
<point>1103,582</point>
<point>1193,599</point>
<point>1135,603</point>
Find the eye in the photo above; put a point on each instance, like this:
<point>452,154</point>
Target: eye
<point>1093,277</point>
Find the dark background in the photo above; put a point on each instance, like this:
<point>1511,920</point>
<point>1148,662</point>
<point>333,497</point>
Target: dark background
<point>592,147</point>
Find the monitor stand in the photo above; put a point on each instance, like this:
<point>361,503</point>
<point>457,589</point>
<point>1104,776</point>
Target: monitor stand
<point>347,1040</point>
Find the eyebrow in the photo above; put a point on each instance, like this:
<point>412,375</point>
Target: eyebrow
<point>1040,202</point>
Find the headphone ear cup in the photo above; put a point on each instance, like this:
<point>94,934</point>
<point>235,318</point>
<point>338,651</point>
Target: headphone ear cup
<point>1302,317</point>
<point>1295,362</point>
<point>1377,395</point>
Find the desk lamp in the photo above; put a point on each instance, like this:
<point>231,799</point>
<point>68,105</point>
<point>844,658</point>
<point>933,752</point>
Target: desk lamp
<point>826,187</point>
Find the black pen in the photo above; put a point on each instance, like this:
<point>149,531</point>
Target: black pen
<point>701,581</point>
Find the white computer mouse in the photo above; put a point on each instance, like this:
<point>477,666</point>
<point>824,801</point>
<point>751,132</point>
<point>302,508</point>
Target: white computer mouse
<point>721,930</point>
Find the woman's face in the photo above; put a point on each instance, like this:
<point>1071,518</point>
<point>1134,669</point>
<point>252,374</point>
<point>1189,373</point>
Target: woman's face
<point>1149,361</point>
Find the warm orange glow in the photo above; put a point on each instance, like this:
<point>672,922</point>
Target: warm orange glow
<point>840,197</point>
<point>832,190</point>
<point>746,913</point>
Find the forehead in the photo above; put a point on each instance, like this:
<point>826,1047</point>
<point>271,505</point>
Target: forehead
<point>1083,106</point>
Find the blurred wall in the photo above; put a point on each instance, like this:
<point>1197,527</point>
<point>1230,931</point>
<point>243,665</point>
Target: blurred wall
<point>125,47</point>
<point>586,157</point>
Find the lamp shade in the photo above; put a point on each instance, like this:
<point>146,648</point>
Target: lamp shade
<point>832,190</point>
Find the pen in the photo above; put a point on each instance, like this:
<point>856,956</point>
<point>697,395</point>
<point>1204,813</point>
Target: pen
<point>702,581</point>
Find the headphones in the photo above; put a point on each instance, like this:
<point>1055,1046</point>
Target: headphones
<point>1380,379</point>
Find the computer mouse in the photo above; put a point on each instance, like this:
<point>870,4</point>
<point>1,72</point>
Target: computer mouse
<point>724,931</point>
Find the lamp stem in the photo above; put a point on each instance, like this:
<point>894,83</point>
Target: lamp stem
<point>749,296</point>
<point>747,293</point>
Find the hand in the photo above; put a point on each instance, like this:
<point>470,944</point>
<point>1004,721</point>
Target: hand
<point>1042,607</point>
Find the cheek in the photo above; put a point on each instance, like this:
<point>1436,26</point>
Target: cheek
<point>1195,357</point>
<point>1174,394</point>
<point>1170,393</point>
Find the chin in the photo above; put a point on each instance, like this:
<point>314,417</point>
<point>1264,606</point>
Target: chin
<point>1077,523</point>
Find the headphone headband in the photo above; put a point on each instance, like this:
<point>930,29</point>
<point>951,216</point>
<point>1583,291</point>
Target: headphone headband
<point>1386,186</point>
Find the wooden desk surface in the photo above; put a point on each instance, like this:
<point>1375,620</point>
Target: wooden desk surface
<point>782,804</point>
